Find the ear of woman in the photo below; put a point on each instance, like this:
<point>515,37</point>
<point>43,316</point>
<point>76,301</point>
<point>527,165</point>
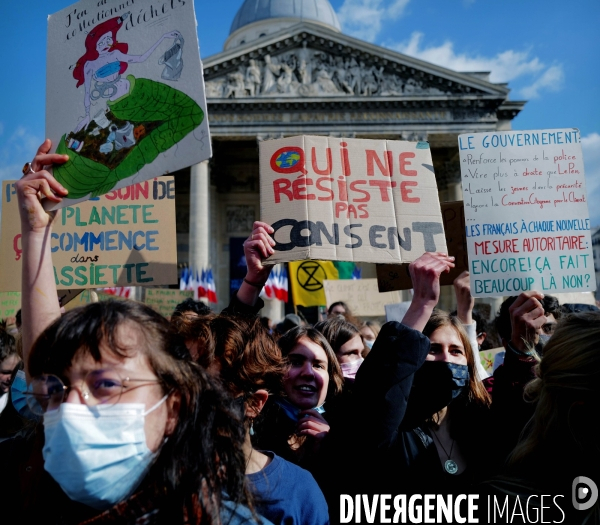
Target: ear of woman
<point>256,402</point>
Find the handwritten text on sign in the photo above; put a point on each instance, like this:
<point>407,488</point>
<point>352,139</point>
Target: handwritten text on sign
<point>124,238</point>
<point>526,213</point>
<point>361,295</point>
<point>10,302</point>
<point>164,300</point>
<point>397,277</point>
<point>350,200</point>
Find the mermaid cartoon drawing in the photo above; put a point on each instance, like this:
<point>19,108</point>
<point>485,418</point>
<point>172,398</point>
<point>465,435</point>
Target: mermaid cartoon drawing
<point>128,121</point>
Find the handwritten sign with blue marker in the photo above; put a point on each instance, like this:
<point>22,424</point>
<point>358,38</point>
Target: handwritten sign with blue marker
<point>123,238</point>
<point>526,212</point>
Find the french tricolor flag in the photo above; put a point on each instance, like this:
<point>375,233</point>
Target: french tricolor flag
<point>281,291</point>
<point>211,289</point>
<point>202,284</point>
<point>192,282</point>
<point>183,282</point>
<point>276,286</point>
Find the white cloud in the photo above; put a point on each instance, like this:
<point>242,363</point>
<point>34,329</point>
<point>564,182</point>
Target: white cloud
<point>17,149</point>
<point>552,80</point>
<point>590,146</point>
<point>504,67</point>
<point>363,18</point>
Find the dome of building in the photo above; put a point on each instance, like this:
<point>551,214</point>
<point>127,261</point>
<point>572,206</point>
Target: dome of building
<point>267,16</point>
<point>255,10</point>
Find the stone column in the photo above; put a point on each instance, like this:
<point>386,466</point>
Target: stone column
<point>199,216</point>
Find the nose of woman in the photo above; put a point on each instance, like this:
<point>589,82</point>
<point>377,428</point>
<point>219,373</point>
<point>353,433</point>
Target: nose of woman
<point>307,369</point>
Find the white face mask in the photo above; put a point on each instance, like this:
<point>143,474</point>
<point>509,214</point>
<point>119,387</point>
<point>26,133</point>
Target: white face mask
<point>349,369</point>
<point>98,455</point>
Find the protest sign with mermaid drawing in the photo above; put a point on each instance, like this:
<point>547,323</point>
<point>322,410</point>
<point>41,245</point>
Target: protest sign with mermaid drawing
<point>125,94</point>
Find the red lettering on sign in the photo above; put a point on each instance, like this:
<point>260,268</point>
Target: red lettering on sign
<point>405,191</point>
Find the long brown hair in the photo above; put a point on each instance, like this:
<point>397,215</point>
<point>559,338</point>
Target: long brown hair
<point>477,392</point>
<point>567,385</point>
<point>337,331</point>
<point>239,350</point>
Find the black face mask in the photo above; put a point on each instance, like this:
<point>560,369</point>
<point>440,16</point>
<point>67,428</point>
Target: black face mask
<point>435,385</point>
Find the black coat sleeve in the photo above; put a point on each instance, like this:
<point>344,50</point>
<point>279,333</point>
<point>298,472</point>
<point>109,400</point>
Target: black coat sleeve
<point>384,380</point>
<point>239,309</point>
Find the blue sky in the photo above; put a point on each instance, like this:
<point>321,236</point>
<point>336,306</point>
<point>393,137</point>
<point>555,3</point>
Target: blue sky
<point>545,49</point>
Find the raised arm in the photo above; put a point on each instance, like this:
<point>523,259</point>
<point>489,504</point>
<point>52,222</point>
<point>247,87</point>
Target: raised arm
<point>465,303</point>
<point>425,274</point>
<point>257,248</point>
<point>39,302</point>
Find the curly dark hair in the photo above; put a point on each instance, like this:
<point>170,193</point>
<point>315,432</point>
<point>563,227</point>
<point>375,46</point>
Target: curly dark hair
<point>190,305</point>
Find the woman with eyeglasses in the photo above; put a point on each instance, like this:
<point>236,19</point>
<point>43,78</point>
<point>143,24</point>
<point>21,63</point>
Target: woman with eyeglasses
<point>133,430</point>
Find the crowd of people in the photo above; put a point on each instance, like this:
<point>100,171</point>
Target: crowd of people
<point>111,413</point>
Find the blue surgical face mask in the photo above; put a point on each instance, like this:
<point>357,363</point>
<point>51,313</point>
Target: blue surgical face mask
<point>17,394</point>
<point>98,455</point>
<point>369,344</point>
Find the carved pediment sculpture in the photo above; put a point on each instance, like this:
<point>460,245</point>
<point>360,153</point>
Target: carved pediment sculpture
<point>306,72</point>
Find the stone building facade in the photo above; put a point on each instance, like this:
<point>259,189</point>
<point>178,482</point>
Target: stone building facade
<point>287,69</point>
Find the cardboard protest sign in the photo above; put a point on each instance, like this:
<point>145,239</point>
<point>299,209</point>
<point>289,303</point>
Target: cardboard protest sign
<point>349,199</point>
<point>125,93</point>
<point>10,302</point>
<point>488,358</point>
<point>66,296</point>
<point>396,277</point>
<point>81,299</point>
<point>526,213</point>
<point>124,238</point>
<point>396,311</point>
<point>361,295</point>
<point>164,300</point>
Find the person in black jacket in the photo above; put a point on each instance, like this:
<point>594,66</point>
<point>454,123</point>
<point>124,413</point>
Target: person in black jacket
<point>417,405</point>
